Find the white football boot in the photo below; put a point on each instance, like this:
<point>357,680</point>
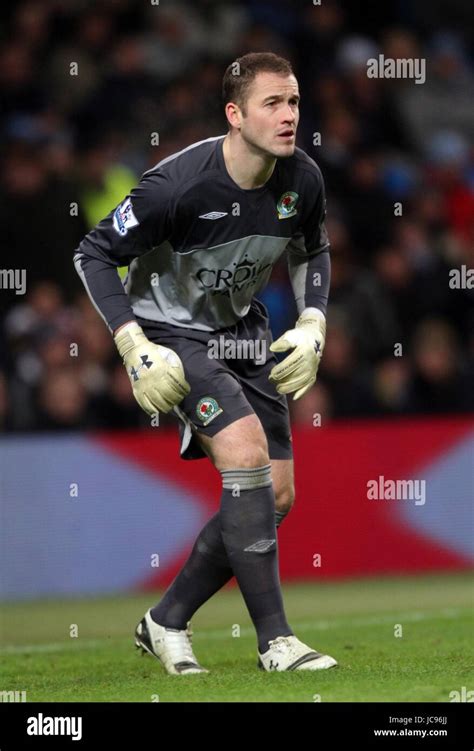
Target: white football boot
<point>289,653</point>
<point>171,646</point>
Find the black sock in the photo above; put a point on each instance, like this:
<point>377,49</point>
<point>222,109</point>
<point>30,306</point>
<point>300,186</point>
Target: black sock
<point>204,573</point>
<point>247,518</point>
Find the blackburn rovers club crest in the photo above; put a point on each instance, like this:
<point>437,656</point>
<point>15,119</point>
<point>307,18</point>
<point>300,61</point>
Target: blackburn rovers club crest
<point>207,408</point>
<point>286,206</point>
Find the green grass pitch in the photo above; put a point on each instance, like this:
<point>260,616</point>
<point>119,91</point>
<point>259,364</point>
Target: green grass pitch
<point>356,621</point>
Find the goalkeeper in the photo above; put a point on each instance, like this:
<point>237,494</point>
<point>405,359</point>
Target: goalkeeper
<point>201,233</point>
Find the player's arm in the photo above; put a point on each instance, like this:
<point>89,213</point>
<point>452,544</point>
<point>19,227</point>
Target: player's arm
<point>309,268</point>
<point>141,222</point>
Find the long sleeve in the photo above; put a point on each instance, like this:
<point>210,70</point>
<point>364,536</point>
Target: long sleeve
<point>141,222</point>
<point>310,280</point>
<point>309,263</point>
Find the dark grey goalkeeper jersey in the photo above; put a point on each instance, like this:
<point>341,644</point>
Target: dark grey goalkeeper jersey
<point>199,247</point>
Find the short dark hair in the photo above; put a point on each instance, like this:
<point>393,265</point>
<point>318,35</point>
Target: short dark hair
<point>240,74</point>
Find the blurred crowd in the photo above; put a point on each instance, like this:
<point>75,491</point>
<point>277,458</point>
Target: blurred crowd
<point>88,86</point>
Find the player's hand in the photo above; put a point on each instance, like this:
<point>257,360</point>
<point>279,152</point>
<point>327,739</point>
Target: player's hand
<point>298,371</point>
<point>156,372</point>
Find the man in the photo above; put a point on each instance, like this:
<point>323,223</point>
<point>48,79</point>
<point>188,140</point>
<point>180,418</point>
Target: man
<point>201,233</point>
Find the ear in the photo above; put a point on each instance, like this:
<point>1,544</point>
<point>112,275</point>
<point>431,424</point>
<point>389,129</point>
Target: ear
<point>234,115</point>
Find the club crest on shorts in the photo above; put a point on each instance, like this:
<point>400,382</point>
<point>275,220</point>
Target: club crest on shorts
<point>207,408</point>
<point>286,206</point>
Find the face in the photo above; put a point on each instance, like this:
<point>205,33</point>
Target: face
<point>272,114</point>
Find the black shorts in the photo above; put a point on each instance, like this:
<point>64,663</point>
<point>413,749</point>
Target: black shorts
<point>228,379</point>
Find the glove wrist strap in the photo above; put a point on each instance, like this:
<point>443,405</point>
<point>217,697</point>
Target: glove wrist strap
<point>129,337</point>
<point>312,320</point>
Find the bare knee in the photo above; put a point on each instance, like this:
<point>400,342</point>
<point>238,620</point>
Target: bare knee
<point>241,444</point>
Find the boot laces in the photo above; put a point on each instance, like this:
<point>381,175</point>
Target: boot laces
<point>180,646</point>
<point>281,643</point>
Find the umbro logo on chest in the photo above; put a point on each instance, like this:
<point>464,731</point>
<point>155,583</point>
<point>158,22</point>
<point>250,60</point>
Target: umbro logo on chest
<point>213,215</point>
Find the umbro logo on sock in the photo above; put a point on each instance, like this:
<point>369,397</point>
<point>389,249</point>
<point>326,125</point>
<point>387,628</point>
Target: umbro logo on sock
<point>260,547</point>
<point>213,215</point>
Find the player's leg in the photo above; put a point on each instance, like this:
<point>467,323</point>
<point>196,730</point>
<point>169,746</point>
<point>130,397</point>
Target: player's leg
<point>216,400</point>
<point>247,520</point>
<point>163,630</point>
<point>207,568</point>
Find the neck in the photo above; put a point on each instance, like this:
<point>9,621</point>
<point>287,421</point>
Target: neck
<point>248,168</point>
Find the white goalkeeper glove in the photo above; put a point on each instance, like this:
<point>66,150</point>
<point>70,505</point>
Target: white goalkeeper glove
<point>298,371</point>
<point>156,373</point>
